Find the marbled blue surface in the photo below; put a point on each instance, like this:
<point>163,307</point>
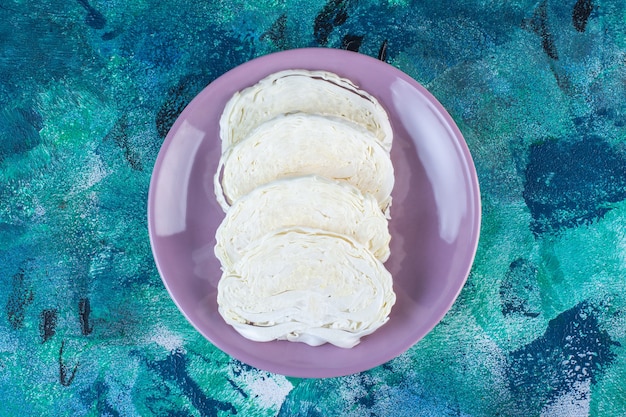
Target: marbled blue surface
<point>88,91</point>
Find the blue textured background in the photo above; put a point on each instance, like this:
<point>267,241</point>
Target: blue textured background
<point>88,90</point>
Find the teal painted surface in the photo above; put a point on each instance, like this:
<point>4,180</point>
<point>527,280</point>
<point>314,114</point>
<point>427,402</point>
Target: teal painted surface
<point>88,91</point>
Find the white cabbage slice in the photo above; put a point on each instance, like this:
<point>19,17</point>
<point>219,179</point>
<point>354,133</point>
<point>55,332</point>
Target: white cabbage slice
<point>302,144</point>
<point>310,201</point>
<point>306,285</point>
<point>291,91</point>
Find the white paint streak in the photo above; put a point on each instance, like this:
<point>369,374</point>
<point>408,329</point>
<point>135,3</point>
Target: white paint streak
<point>96,172</point>
<point>8,343</point>
<point>572,403</point>
<point>167,339</point>
<point>268,390</point>
<point>120,395</point>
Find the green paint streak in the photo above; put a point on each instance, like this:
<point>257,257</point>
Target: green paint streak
<point>587,262</point>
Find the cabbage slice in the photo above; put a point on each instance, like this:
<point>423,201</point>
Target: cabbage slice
<point>310,201</point>
<point>331,290</point>
<point>314,92</point>
<point>303,144</point>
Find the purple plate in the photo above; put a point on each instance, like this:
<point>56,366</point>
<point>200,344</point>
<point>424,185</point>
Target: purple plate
<point>434,227</point>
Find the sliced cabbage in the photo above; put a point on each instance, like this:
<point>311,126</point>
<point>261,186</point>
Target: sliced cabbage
<point>306,285</point>
<point>302,144</point>
<point>315,92</point>
<point>310,201</point>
